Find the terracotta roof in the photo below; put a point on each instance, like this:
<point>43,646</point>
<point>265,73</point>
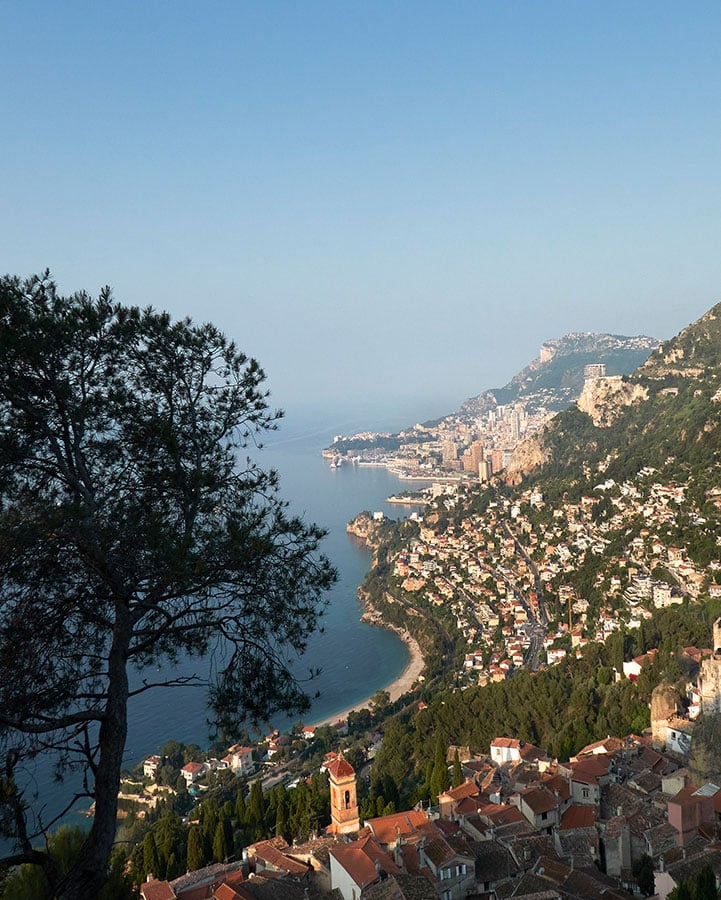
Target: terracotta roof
<point>558,783</point>
<point>607,745</point>
<point>539,800</point>
<point>578,817</point>
<point>500,814</point>
<point>685,796</point>
<point>493,861</point>
<point>589,769</point>
<point>362,860</point>
<point>340,768</point>
<point>468,807</point>
<point>226,892</point>
<point>387,828</point>
<point>467,789</point>
<point>402,887</point>
<point>157,890</point>
<point>271,854</point>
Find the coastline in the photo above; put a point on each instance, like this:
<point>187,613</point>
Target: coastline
<point>402,684</point>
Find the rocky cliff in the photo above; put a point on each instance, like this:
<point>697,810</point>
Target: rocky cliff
<point>528,455</point>
<point>365,528</point>
<point>603,399</point>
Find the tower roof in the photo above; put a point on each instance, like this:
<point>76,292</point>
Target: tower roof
<point>340,768</point>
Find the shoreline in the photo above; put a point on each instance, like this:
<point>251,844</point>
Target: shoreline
<point>396,689</point>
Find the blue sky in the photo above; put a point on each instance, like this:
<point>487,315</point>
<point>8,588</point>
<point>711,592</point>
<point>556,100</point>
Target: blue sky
<point>391,205</point>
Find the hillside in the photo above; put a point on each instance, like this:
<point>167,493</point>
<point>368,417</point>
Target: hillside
<point>535,596</point>
<point>556,377</point>
<point>665,415</point>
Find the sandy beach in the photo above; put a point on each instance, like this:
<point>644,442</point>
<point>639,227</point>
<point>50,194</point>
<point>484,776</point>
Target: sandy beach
<point>399,687</point>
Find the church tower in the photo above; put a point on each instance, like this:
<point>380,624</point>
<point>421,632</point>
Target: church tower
<point>343,800</point>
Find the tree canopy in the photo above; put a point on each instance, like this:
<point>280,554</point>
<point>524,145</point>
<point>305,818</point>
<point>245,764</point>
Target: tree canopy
<point>134,529</point>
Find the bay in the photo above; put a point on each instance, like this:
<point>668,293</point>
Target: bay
<point>355,658</point>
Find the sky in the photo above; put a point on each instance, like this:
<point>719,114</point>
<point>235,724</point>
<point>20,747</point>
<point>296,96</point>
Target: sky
<point>391,205</point>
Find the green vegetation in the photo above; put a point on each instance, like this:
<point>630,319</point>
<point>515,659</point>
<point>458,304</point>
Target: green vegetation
<point>122,511</point>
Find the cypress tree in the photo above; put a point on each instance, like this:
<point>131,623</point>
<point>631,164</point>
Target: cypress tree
<point>440,780</point>
<point>457,771</point>
<point>195,855</point>
<point>151,860</point>
<point>256,805</point>
<point>241,810</point>
<point>220,846</point>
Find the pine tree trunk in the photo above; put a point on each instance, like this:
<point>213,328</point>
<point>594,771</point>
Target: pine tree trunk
<point>90,871</point>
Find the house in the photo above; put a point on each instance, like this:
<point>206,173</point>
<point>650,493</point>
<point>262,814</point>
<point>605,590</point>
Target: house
<point>192,771</point>
<point>449,859</point>
<point>150,766</point>
<point>271,856</point>
<point>540,806</point>
<point>240,759</point>
<point>357,865</point>
<point>389,830</point>
<point>505,750</point>
<point>449,800</point>
<point>632,669</point>
<point>679,732</point>
<point>588,775</point>
<point>690,808</point>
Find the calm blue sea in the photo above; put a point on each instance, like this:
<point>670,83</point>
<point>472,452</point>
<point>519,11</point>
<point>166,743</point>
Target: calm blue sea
<point>355,659</point>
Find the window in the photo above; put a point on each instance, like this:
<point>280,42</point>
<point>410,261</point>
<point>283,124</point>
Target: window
<point>346,805</point>
<point>586,793</point>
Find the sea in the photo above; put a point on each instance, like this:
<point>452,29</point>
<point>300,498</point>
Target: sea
<point>354,658</point>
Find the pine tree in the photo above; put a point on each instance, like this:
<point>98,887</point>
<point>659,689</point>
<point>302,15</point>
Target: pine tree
<point>121,456</point>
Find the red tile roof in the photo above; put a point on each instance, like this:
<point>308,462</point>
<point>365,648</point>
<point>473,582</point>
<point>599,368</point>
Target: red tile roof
<point>157,890</point>
<point>340,768</point>
<point>386,829</point>
<point>578,817</point>
<point>468,789</point>
<point>539,800</point>
<point>362,860</point>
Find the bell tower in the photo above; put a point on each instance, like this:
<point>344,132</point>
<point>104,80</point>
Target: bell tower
<point>343,800</point>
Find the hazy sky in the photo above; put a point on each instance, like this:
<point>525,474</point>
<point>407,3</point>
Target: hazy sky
<point>391,205</point>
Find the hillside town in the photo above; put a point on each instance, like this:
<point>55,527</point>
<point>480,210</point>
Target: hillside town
<point>507,575</point>
<point>518,822</point>
<point>621,815</point>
